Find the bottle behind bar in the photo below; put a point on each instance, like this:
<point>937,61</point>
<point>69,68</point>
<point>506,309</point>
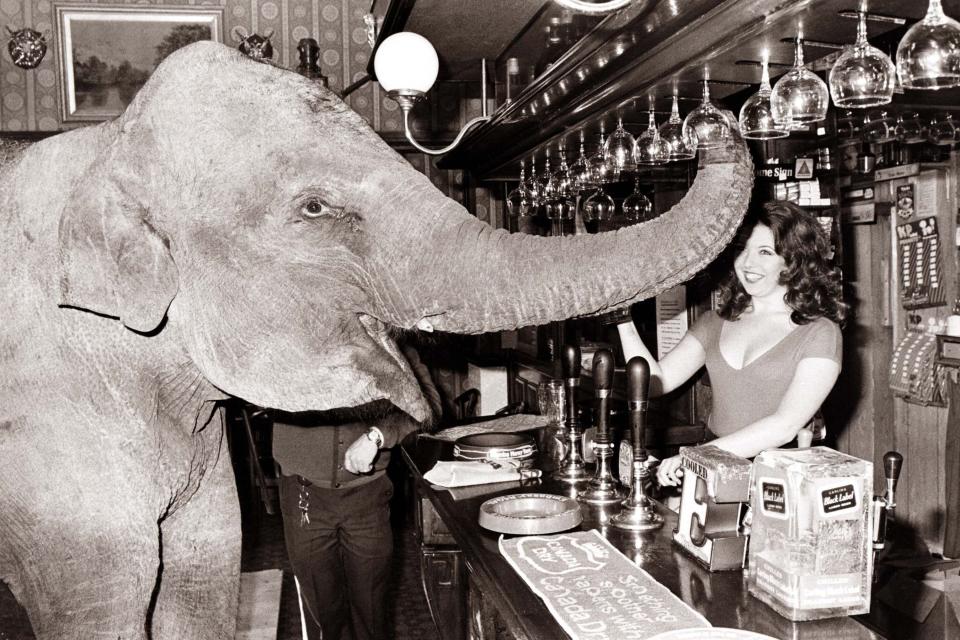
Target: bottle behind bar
<point>552,47</point>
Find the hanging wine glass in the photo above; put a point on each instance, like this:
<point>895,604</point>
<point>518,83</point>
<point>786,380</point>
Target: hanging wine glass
<point>561,203</point>
<point>600,170</point>
<point>863,76</point>
<point>598,208</point>
<point>681,147</point>
<point>637,207</point>
<point>581,174</point>
<point>618,150</point>
<point>908,129</point>
<point>942,130</point>
<point>651,148</point>
<point>878,127</point>
<point>848,128</point>
<point>756,116</point>
<point>562,176</point>
<point>800,96</point>
<point>928,56</point>
<point>533,188</point>
<point>548,186</point>
<point>706,124</point>
<point>518,200</point>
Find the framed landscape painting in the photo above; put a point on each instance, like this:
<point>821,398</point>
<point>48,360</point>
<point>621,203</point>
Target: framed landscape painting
<point>106,53</point>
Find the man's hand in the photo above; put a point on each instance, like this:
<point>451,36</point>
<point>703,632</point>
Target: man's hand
<point>360,455</point>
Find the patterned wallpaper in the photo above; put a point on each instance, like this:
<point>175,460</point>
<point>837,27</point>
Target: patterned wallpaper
<point>29,100</point>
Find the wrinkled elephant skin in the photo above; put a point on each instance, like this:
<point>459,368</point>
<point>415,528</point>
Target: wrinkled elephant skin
<point>238,231</point>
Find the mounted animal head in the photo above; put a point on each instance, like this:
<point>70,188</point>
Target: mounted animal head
<point>250,212</point>
<point>27,47</point>
<point>254,45</point>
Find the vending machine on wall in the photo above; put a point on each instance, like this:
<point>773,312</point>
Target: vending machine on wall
<point>922,284</point>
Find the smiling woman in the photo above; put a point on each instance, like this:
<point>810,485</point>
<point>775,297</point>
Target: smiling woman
<point>772,348</point>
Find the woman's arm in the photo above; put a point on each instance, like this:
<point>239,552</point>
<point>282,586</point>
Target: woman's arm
<point>677,367</point>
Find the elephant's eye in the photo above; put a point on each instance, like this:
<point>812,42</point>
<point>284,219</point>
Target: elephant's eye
<point>313,208</point>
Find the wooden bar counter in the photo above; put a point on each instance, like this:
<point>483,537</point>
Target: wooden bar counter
<point>500,598</point>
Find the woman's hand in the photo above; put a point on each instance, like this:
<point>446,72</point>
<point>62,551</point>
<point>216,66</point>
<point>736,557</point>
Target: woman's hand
<point>670,472</point>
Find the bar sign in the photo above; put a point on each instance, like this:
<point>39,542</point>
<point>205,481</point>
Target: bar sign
<point>774,498</point>
<point>838,498</point>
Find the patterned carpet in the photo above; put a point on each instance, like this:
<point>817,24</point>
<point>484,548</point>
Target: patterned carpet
<point>264,549</point>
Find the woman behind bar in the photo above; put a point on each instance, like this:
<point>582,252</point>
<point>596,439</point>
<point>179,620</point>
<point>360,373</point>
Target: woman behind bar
<point>772,349</point>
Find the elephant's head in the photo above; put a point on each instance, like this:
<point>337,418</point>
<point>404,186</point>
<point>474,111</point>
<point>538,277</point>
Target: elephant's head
<point>251,211</point>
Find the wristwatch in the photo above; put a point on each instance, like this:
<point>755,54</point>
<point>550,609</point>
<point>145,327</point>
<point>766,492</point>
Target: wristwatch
<point>375,435</point>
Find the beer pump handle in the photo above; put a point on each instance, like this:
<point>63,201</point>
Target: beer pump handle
<point>570,370</point>
<point>570,361</point>
<point>638,387</point>
<point>602,386</point>
<point>892,464</point>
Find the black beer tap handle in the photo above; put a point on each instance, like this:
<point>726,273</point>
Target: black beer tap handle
<point>638,388</point>
<point>570,370</point>
<point>892,463</point>
<point>570,361</point>
<point>602,386</point>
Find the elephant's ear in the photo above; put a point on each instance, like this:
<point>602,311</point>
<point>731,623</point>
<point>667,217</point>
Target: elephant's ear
<point>112,262</point>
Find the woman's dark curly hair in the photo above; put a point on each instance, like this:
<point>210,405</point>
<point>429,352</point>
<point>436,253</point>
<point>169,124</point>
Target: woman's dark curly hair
<point>813,283</point>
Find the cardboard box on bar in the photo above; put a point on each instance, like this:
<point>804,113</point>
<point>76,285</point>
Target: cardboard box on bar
<point>811,545</point>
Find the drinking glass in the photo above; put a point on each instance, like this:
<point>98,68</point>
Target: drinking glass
<point>681,147</point>
<point>928,56</point>
<point>707,124</point>
<point>600,170</point>
<point>618,150</point>
<point>552,400</point>
<point>598,208</point>
<point>756,115</point>
<point>581,175</point>
<point>878,127</point>
<point>863,76</point>
<point>908,129</point>
<point>518,200</point>
<point>799,96</point>
<point>637,207</point>
<point>942,129</point>
<point>651,149</point>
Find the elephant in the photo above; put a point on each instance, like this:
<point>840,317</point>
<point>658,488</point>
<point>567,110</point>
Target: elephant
<point>238,231</point>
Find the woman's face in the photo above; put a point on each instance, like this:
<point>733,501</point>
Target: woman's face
<point>758,266</point>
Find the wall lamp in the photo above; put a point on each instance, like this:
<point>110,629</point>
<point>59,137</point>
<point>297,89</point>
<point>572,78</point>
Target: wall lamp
<point>406,67</point>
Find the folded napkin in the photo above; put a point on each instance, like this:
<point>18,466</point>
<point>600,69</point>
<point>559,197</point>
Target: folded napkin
<point>465,473</point>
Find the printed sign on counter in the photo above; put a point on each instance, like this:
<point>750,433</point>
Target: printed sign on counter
<point>594,591</point>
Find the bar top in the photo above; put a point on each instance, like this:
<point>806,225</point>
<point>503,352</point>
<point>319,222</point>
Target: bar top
<point>721,597</point>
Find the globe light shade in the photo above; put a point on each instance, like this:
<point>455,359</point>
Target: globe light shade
<point>406,62</point>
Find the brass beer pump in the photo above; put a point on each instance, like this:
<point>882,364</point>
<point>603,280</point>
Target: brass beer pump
<point>603,487</point>
<point>638,513</point>
<point>572,466</point>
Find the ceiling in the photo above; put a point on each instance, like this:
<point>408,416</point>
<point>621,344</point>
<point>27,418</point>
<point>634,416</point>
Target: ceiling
<point>645,51</point>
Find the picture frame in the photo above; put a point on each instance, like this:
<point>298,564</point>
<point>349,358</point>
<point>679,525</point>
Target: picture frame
<point>105,53</point>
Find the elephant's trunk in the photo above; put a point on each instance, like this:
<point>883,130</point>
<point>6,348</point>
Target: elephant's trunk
<point>479,279</point>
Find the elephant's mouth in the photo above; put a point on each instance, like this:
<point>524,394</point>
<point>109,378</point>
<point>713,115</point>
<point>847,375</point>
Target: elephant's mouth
<point>393,373</point>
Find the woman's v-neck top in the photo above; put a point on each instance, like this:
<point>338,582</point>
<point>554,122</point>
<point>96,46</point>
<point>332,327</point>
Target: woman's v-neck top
<point>743,396</point>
